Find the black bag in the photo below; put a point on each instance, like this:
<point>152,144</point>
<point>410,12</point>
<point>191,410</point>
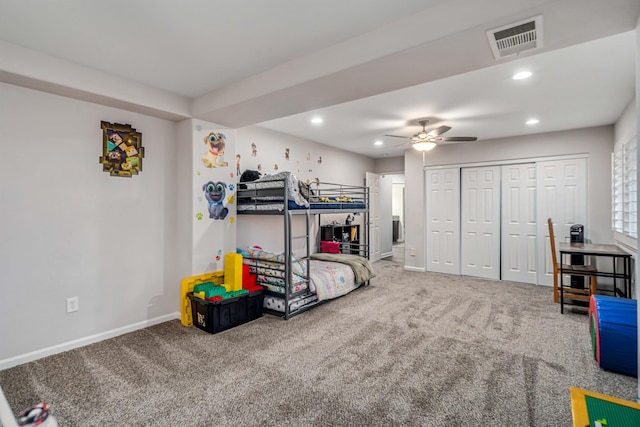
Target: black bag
<point>248,175</point>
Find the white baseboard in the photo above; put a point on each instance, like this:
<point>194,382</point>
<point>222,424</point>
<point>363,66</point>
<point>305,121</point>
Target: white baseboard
<point>418,269</point>
<point>81,342</point>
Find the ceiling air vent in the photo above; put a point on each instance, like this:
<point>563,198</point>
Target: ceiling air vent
<point>516,38</point>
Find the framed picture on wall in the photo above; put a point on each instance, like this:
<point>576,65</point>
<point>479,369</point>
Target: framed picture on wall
<point>122,150</point>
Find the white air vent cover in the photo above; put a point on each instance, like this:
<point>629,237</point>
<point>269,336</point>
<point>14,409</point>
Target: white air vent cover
<point>515,38</point>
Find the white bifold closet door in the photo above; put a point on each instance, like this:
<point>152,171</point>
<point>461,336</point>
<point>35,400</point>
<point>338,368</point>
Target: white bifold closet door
<point>562,196</point>
<point>443,220</point>
<point>519,250</point>
<point>480,222</point>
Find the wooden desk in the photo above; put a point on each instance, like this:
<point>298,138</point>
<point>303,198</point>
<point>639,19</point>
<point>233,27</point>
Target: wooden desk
<point>587,407</point>
<point>598,250</point>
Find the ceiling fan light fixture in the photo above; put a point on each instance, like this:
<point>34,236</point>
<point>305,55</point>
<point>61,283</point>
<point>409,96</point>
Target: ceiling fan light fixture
<point>424,146</point>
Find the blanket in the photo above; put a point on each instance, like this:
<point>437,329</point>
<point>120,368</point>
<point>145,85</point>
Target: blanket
<point>362,269</point>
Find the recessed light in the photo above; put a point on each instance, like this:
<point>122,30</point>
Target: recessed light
<point>522,75</point>
<point>316,120</point>
<point>532,121</point>
<point>378,142</point>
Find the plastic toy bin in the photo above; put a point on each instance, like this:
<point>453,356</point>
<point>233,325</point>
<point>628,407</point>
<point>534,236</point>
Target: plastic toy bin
<point>218,316</point>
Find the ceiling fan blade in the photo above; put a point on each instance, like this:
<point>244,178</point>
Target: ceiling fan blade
<point>458,139</point>
<point>397,136</point>
<point>401,145</point>
<point>438,131</point>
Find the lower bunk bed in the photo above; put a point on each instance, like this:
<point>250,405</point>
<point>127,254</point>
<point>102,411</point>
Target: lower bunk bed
<point>295,285</point>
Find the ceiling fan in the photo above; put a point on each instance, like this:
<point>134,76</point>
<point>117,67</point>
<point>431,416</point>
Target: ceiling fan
<point>425,141</point>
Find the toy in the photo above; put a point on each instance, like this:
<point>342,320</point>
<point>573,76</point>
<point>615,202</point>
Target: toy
<point>613,325</point>
<point>37,415</point>
<point>233,272</point>
<point>186,286</point>
<point>216,286</point>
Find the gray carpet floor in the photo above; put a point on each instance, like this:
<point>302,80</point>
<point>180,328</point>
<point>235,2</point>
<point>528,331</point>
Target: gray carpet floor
<point>410,349</point>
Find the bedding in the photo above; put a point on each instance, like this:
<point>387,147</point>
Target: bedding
<point>331,279</point>
<point>265,194</point>
<point>361,266</point>
<point>328,279</point>
<point>278,304</point>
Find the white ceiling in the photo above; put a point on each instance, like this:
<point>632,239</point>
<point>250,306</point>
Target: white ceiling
<point>368,68</point>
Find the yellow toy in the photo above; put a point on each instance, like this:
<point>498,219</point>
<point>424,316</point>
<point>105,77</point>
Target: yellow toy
<point>186,285</point>
<point>232,272</point>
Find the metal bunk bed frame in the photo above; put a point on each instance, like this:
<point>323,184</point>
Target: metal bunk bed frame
<point>333,191</point>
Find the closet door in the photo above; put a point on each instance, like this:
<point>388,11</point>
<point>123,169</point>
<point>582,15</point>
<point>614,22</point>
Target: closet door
<point>480,225</point>
<point>443,220</point>
<point>519,250</point>
<point>562,196</point>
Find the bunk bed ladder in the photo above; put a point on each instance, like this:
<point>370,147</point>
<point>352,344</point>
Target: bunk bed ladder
<point>288,239</point>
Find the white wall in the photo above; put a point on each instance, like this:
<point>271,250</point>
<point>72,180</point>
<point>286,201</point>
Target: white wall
<point>389,165</point>
<point>69,229</point>
<point>597,142</point>
<point>212,238</point>
<point>336,166</point>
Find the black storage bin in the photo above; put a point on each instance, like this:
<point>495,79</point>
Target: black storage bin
<point>218,316</point>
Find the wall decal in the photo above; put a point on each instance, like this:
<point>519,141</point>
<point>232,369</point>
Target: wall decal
<point>275,167</point>
<point>259,167</point>
<point>199,216</point>
<point>286,154</point>
<point>320,160</point>
<point>308,156</point>
<point>214,156</point>
<point>122,150</point>
<point>254,151</point>
<point>215,193</point>
<point>238,164</point>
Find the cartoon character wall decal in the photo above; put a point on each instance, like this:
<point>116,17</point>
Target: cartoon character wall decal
<point>238,164</point>
<point>214,156</point>
<point>254,150</point>
<point>215,194</point>
<point>122,150</point>
<point>319,159</point>
<point>286,154</point>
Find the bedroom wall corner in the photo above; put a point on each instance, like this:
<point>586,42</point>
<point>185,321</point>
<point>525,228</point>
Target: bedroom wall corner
<point>213,177</point>
<point>69,229</point>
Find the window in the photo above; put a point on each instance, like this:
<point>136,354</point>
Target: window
<point>624,203</point>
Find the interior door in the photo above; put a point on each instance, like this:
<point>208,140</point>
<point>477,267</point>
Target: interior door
<point>443,220</point>
<point>480,222</point>
<point>519,250</point>
<point>562,196</point>
<point>385,215</point>
<point>373,182</point>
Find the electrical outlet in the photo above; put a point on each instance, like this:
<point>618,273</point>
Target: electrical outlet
<point>412,251</point>
<point>73,304</point>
